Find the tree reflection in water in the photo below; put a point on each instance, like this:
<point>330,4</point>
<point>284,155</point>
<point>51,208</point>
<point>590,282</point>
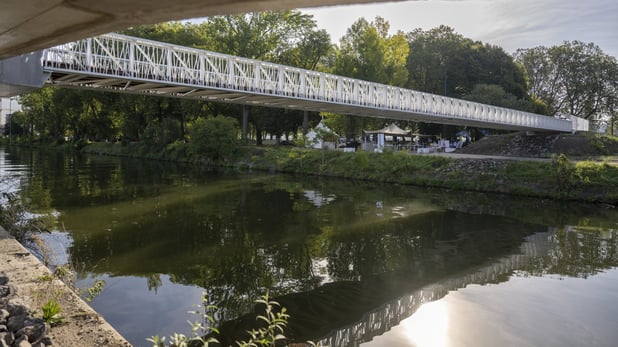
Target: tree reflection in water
<point>336,253</point>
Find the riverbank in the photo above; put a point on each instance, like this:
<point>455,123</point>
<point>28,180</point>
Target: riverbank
<point>518,164</point>
<point>32,285</point>
<point>555,177</point>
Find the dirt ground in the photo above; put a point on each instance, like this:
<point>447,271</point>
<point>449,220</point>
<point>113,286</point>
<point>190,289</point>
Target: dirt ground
<point>544,145</point>
<point>82,326</point>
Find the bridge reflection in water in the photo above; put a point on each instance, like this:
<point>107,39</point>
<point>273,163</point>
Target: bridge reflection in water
<point>390,314</point>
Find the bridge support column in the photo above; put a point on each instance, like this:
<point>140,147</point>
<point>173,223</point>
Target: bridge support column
<point>305,122</point>
<point>245,123</point>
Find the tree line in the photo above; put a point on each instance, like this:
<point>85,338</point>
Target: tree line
<point>574,78</point>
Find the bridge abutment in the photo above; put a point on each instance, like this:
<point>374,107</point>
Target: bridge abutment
<point>22,74</point>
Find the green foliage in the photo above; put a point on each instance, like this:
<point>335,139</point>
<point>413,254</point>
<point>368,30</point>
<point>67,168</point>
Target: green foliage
<point>95,290</point>
<point>369,53</point>
<point>270,333</point>
<point>160,134</point>
<point>598,143</point>
<point>51,313</point>
<point>495,95</point>
<point>565,175</point>
<point>199,329</point>
<point>215,138</point>
<point>443,62</point>
<point>275,318</point>
<point>574,78</point>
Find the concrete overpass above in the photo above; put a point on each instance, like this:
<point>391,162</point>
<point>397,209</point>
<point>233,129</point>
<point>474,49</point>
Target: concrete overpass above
<point>30,25</point>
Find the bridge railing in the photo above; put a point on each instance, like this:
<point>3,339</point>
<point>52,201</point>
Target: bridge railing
<point>140,59</point>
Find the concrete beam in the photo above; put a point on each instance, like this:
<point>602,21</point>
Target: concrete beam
<point>29,25</point>
<point>21,74</point>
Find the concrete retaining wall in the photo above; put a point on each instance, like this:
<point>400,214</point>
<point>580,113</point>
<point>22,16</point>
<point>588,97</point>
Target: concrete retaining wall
<point>82,327</point>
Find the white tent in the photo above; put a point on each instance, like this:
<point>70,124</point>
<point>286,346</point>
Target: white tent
<point>391,130</point>
<point>313,139</point>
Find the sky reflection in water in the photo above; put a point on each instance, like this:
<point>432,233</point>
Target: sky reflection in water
<point>519,312</point>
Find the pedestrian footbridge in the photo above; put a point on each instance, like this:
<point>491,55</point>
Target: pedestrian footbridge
<point>121,63</point>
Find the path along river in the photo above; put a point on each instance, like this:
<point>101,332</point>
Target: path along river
<point>356,263</point>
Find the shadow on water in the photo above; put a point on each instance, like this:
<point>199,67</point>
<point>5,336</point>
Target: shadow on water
<point>348,259</point>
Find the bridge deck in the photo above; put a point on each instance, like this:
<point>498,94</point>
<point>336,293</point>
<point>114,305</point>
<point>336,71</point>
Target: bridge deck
<point>127,64</point>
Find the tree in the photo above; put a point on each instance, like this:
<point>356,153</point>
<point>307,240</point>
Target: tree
<point>284,37</point>
<point>269,35</point>
<point>369,53</point>
<point>574,78</point>
<point>492,94</point>
<point>215,138</point>
<point>444,62</point>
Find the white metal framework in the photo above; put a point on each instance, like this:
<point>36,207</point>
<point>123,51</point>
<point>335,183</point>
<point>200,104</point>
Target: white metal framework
<point>127,64</point>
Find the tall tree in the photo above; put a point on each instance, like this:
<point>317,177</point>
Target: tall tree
<point>284,37</point>
<point>444,62</point>
<point>574,78</point>
<point>369,53</point>
<point>269,35</point>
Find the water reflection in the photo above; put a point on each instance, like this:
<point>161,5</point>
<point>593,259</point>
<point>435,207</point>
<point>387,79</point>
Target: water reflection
<point>429,325</point>
<point>351,261</point>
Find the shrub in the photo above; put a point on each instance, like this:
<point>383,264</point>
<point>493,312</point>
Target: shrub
<point>215,138</point>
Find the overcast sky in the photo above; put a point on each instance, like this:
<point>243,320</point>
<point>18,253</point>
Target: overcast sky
<point>511,24</point>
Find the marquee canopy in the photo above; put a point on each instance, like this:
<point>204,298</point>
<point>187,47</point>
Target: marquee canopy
<point>392,130</point>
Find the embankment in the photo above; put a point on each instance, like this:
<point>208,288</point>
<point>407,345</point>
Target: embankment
<point>554,178</point>
<point>30,285</point>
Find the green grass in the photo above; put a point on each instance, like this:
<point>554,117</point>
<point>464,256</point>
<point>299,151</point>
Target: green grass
<point>586,180</point>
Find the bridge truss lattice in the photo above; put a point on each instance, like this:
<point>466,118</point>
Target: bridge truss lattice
<point>134,65</point>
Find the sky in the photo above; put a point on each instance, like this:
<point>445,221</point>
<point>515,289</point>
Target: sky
<point>511,24</point>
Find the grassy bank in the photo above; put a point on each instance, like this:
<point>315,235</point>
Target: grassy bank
<point>556,179</point>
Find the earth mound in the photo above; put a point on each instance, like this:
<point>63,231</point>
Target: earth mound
<point>544,145</point>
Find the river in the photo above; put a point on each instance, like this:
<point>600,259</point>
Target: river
<point>355,263</point>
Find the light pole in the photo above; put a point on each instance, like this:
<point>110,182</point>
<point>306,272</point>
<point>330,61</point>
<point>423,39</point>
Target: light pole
<point>10,115</point>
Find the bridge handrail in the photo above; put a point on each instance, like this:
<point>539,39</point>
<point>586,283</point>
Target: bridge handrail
<point>146,60</point>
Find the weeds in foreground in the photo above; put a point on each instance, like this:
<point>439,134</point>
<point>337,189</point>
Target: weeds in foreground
<point>274,321</point>
<point>51,312</point>
<point>199,329</point>
<point>52,291</point>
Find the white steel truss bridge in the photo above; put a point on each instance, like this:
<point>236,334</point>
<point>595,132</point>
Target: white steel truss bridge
<point>134,65</point>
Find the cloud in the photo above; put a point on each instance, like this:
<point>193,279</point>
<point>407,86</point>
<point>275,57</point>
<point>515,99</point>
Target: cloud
<point>511,24</point>
<point>527,23</point>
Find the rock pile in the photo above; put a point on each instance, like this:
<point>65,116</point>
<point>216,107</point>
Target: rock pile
<point>18,328</point>
<point>475,165</point>
<point>523,145</point>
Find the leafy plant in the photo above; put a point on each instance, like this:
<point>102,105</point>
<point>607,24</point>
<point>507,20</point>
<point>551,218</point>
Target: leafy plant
<point>200,328</point>
<point>51,312</point>
<point>94,290</point>
<point>275,320</point>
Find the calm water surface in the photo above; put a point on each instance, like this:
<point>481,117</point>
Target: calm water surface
<point>355,263</point>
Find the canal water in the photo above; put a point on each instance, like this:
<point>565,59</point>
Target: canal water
<point>355,263</point>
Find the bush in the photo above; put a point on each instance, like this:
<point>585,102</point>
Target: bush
<point>215,138</point>
<point>159,134</point>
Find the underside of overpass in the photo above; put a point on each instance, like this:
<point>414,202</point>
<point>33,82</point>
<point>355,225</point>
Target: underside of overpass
<point>29,25</point>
